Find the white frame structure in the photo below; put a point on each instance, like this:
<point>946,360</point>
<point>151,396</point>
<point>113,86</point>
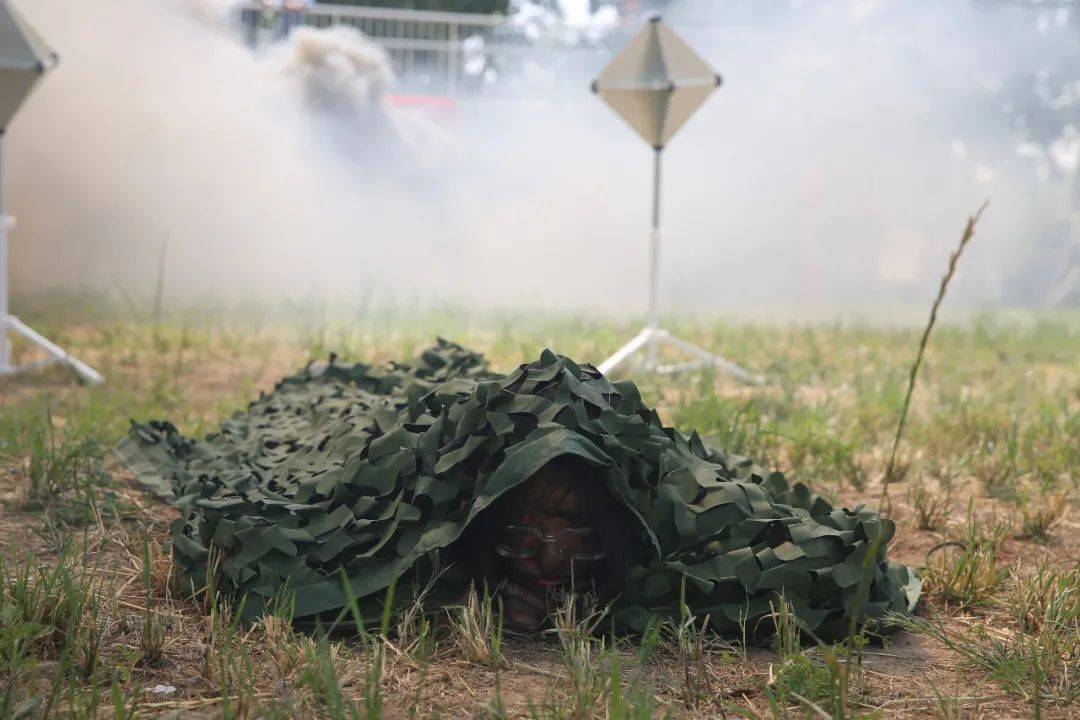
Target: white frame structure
<point>24,57</point>
<point>433,42</point>
<point>655,84</point>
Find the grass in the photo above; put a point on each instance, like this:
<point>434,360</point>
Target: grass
<point>966,572</point>
<point>932,509</point>
<point>1039,515</point>
<point>89,619</point>
<point>477,629</point>
<point>943,288</point>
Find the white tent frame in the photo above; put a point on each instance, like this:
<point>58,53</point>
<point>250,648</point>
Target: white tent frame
<point>653,335</point>
<point>23,37</point>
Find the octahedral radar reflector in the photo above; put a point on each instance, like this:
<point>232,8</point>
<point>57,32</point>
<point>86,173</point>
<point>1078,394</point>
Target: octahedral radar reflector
<point>655,84</point>
<point>24,58</point>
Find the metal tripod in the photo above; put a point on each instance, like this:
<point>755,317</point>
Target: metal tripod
<point>11,324</point>
<point>653,336</point>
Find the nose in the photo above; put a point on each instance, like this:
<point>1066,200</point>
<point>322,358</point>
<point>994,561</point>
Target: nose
<point>549,560</point>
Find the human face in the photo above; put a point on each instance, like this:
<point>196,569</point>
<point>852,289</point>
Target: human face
<point>548,542</point>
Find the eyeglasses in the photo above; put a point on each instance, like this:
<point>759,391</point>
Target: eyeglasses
<point>518,534</point>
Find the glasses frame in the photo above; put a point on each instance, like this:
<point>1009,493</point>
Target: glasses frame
<point>504,550</point>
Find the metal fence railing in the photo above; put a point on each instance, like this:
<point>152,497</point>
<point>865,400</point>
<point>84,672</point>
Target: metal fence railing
<point>419,43</point>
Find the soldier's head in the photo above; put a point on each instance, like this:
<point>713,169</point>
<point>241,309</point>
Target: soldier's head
<point>562,529</point>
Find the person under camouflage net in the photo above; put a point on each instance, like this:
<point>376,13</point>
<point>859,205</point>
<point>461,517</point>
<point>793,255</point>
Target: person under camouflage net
<point>431,474</point>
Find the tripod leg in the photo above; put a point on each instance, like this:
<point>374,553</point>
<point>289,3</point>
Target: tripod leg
<point>620,355</point>
<point>5,345</point>
<point>708,359</point>
<point>80,368</point>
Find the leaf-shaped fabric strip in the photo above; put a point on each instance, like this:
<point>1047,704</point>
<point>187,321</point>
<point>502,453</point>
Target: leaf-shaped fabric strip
<point>367,474</point>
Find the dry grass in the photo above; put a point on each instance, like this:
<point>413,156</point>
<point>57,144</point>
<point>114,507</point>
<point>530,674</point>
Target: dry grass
<point>477,629</point>
<point>91,622</point>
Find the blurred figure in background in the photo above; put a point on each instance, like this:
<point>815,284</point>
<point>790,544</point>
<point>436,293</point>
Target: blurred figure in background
<point>289,16</point>
<point>293,14</point>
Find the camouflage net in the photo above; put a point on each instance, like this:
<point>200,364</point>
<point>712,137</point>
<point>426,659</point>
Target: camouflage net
<point>360,475</point>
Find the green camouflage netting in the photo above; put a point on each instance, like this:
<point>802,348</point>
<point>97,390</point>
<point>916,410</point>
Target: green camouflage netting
<point>362,474</point>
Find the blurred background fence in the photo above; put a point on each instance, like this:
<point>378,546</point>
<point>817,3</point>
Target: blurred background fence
<point>441,52</point>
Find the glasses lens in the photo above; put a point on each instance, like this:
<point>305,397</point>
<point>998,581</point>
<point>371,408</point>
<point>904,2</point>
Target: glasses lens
<point>514,552</point>
<point>516,545</point>
<point>581,536</point>
<point>587,556</point>
<point>524,542</point>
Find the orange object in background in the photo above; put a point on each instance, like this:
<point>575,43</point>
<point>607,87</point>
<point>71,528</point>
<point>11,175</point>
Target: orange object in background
<point>439,110</point>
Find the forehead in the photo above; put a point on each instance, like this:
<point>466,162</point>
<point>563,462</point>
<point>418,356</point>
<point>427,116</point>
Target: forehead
<point>553,494</point>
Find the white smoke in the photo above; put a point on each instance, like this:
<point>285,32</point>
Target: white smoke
<point>160,128</point>
<point>340,70</point>
<point>835,166</point>
<point>343,79</point>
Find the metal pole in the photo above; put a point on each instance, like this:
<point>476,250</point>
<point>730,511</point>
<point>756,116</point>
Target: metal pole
<point>654,241</point>
<point>5,348</point>
<point>654,332</point>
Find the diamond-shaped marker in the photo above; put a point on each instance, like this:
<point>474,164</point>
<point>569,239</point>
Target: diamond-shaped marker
<point>24,56</point>
<point>656,83</point>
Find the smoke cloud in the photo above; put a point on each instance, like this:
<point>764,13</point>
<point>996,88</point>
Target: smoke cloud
<point>835,167</point>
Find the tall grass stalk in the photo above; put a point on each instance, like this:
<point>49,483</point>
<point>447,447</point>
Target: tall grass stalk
<point>576,620</point>
<point>159,293</point>
<point>375,647</point>
<point>477,629</point>
<point>890,469</point>
<point>152,640</point>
